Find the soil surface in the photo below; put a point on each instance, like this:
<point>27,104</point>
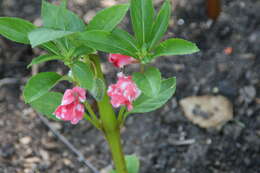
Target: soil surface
<point>27,146</point>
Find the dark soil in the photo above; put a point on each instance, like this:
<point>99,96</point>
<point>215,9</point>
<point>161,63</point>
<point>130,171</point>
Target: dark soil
<point>27,146</point>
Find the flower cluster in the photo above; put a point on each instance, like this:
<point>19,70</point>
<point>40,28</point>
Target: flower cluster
<point>124,92</point>
<point>71,108</point>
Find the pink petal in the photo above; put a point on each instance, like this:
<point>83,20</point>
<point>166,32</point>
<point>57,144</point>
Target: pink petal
<point>81,93</point>
<point>68,97</point>
<point>121,60</point>
<point>129,106</point>
<point>73,112</point>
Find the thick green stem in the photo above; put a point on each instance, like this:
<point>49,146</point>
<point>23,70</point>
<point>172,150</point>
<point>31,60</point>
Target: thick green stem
<point>110,125</point>
<point>115,145</point>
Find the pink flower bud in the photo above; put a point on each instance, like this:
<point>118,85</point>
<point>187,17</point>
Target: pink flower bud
<point>124,92</point>
<point>121,60</point>
<point>71,109</point>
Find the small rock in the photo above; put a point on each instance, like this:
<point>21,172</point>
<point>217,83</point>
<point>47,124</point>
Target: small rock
<point>89,15</point>
<point>27,170</point>
<point>67,162</point>
<point>49,145</point>
<point>25,140</point>
<point>207,111</point>
<point>108,3</point>
<point>248,56</point>
<point>106,169</point>
<point>33,160</point>
<point>248,93</point>
<point>179,67</point>
<point>44,154</point>
<point>257,100</point>
<point>38,22</point>
<point>80,2</point>
<point>56,126</point>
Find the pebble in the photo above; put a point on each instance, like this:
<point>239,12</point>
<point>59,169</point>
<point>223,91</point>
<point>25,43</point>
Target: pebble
<point>67,162</point>
<point>44,154</point>
<point>80,2</point>
<point>33,160</point>
<point>248,56</point>
<point>49,145</point>
<point>207,111</point>
<point>89,15</point>
<point>248,93</point>
<point>25,140</point>
<point>106,169</point>
<point>108,3</point>
<point>56,126</point>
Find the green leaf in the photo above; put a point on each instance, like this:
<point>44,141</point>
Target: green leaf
<point>51,48</point>
<point>142,16</point>
<point>148,104</point>
<point>106,41</point>
<point>83,74</point>
<point>132,164</point>
<point>44,58</point>
<point>149,82</point>
<point>43,35</point>
<point>98,89</point>
<point>58,17</point>
<point>47,104</point>
<point>108,18</point>
<point>39,85</point>
<point>15,29</point>
<point>161,23</point>
<point>80,48</point>
<point>175,46</point>
<point>83,50</point>
<point>123,35</point>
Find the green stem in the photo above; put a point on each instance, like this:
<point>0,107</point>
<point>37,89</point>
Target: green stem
<point>121,115</point>
<point>110,125</point>
<point>91,112</point>
<point>114,141</point>
<point>88,118</point>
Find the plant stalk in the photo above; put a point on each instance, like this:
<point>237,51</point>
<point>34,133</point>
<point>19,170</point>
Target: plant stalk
<point>110,125</point>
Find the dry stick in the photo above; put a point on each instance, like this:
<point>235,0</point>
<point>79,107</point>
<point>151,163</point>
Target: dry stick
<point>69,145</point>
<point>7,81</point>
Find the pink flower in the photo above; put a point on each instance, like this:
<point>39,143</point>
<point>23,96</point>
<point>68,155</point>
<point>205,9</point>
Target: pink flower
<point>71,109</point>
<point>124,92</point>
<point>121,60</point>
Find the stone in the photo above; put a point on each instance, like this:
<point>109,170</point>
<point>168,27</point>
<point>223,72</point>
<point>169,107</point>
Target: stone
<point>33,160</point>
<point>207,111</point>
<point>248,93</point>
<point>106,169</point>
<point>25,140</point>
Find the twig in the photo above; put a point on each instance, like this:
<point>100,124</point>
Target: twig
<point>6,81</point>
<point>183,142</point>
<point>69,145</point>
<point>12,80</point>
